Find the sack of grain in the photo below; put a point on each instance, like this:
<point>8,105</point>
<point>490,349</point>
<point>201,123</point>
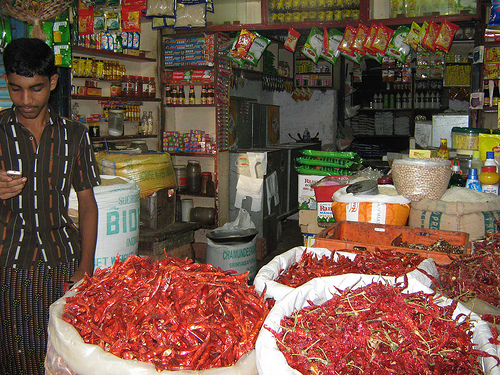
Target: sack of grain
<point>459,209</point>
<point>152,171</point>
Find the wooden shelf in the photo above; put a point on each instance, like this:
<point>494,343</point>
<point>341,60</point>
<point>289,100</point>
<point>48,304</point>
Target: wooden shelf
<point>121,137</point>
<point>118,98</point>
<point>108,54</point>
<point>195,154</point>
<point>187,67</point>
<point>189,105</point>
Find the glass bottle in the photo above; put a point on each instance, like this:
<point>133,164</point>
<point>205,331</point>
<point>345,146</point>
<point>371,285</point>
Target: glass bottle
<point>180,174</point>
<point>210,95</point>
<point>193,173</point>
<point>152,87</point>
<point>168,95</point>
<point>150,123</point>
<point>144,122</point>
<point>182,95</point>
<point>192,97</point>
<point>203,94</point>
<point>456,178</point>
<point>145,87</point>
<point>443,151</point>
<point>174,95</point>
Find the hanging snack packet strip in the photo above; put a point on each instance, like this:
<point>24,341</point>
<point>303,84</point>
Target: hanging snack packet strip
<point>345,46</point>
<point>243,43</point>
<point>131,18</point>
<point>430,36</point>
<point>445,35</point>
<point>362,33</point>
<point>413,37</point>
<point>257,48</point>
<point>397,47</point>
<point>292,39</point>
<point>367,44</point>
<point>314,44</point>
<point>382,39</point>
<point>331,42</point>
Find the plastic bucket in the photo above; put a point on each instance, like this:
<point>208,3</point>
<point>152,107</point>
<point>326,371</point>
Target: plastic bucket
<point>232,254</point>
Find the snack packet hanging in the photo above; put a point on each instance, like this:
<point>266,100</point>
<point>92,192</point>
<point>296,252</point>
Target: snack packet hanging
<point>190,14</point>
<point>413,37</point>
<point>112,21</point>
<point>397,47</point>
<point>367,44</point>
<point>331,42</point>
<point>131,18</point>
<point>314,44</point>
<point>445,35</point>
<point>259,45</point>
<point>361,34</point>
<point>292,39</point>
<point>430,36</point>
<point>345,46</point>
<point>242,43</point>
<point>495,13</point>
<point>382,39</point>
<point>86,21</point>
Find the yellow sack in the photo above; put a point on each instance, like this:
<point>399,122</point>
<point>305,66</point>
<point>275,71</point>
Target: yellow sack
<point>151,171</point>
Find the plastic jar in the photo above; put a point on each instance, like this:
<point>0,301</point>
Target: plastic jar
<point>138,87</point>
<point>186,207</point>
<point>203,215</point>
<point>489,179</point>
<point>145,87</point>
<point>115,122</point>
<point>181,177</point>
<point>126,85</point>
<point>465,158</point>
<point>467,138</point>
<point>193,174</point>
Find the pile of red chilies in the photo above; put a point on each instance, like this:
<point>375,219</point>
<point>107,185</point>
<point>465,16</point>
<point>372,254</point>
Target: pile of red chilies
<point>378,330</point>
<point>379,262</point>
<point>173,313</point>
<point>475,275</point>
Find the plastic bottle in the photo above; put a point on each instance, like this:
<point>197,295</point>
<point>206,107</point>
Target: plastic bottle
<point>456,178</point>
<point>149,130</point>
<point>490,160</point>
<point>489,179</point>
<point>443,151</point>
<point>472,180</point>
<point>476,160</point>
<point>144,123</point>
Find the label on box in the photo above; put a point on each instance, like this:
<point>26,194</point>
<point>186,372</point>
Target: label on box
<point>325,213</point>
<point>307,199</point>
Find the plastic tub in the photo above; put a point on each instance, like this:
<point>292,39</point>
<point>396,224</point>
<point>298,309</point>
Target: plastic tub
<point>467,138</point>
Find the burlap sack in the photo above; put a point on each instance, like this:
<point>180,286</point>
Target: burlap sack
<point>476,218</point>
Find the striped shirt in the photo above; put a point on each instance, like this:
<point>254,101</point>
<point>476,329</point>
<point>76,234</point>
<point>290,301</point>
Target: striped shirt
<point>35,228</point>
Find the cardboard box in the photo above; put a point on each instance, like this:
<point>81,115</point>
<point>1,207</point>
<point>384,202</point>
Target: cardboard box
<point>95,91</point>
<point>307,199</point>
<point>308,222</point>
<point>421,154</point>
<point>158,209</point>
<point>325,213</point>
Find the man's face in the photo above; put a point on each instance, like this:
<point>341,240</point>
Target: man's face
<point>30,95</point>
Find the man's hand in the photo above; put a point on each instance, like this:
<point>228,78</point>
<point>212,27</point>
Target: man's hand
<point>10,187</point>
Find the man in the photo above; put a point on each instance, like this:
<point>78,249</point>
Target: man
<point>41,249</point>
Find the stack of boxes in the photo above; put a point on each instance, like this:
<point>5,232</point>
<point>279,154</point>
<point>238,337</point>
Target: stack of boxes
<point>195,141</point>
<point>187,51</point>
<point>308,208</point>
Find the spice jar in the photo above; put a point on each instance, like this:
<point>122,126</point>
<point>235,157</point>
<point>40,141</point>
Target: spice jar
<point>205,178</point>
<point>193,174</point>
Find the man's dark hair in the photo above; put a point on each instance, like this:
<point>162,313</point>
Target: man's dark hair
<point>27,57</point>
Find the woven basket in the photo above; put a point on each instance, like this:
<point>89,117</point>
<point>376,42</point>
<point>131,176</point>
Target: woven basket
<point>34,12</point>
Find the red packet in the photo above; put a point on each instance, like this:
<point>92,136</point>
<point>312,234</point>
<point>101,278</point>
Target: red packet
<point>367,44</point>
<point>86,21</point>
<point>362,33</point>
<point>382,39</point>
<point>131,18</point>
<point>345,45</point>
<point>243,43</point>
<point>430,36</point>
<point>445,35</point>
<point>292,39</point>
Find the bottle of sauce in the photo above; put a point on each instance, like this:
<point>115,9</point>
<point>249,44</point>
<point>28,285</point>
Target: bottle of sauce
<point>193,174</point>
<point>192,97</point>
<point>145,87</point>
<point>182,95</point>
<point>489,179</point>
<point>174,95</point>
<point>456,178</point>
<point>443,151</point>
<point>210,95</point>
<point>152,87</point>
<point>168,95</point>
<point>203,94</point>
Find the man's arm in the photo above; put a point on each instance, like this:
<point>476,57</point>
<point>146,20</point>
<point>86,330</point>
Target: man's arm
<point>87,213</point>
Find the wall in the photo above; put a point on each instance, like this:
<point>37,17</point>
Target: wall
<point>319,114</point>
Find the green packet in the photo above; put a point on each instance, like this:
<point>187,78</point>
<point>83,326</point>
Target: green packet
<point>259,45</point>
<point>313,47</point>
<point>323,171</point>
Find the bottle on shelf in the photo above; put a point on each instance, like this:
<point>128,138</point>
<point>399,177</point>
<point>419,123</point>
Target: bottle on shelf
<point>144,123</point>
<point>456,178</point>
<point>443,151</point>
<point>203,94</point>
<point>152,87</point>
<point>192,97</point>
<point>399,103</point>
<point>490,160</point>
<point>404,99</point>
<point>174,95</point>
<point>210,95</point>
<point>168,95</point>
<point>182,95</point>
<point>472,180</point>
<point>489,179</point>
<point>476,160</point>
<point>386,101</point>
<point>392,104</point>
<point>193,174</point>
<point>149,129</point>
<point>145,87</point>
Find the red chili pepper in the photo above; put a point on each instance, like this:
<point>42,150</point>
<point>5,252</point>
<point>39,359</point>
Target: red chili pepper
<point>174,313</point>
